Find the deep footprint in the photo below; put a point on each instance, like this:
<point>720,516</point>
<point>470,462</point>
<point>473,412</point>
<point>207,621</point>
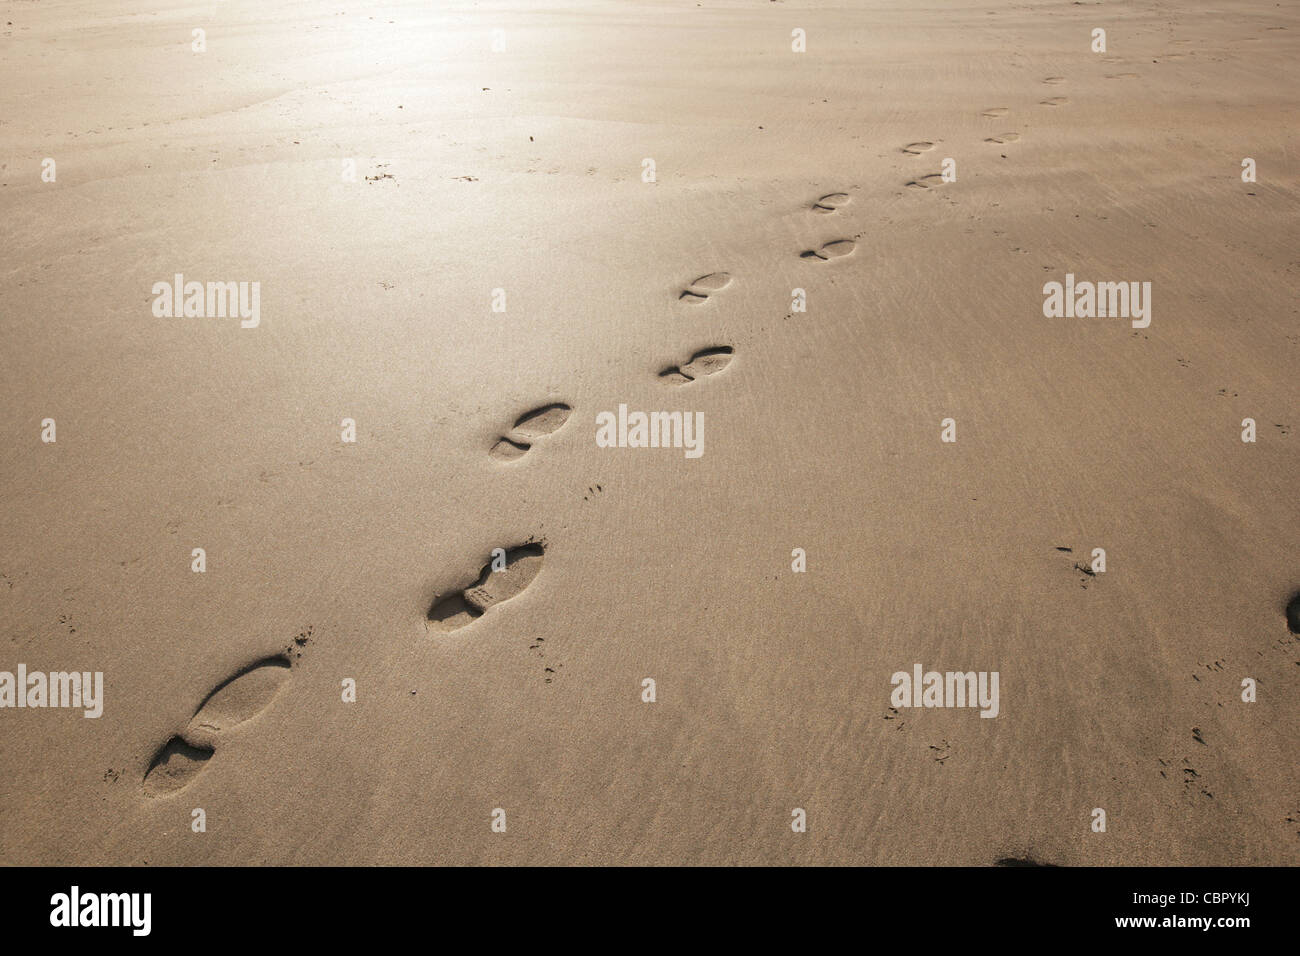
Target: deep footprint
<point>831,202</point>
<point>517,569</point>
<point>697,292</point>
<point>529,427</point>
<point>916,149</point>
<point>237,699</point>
<point>703,362</point>
<point>832,250</point>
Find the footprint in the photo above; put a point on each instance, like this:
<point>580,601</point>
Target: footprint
<point>927,182</point>
<point>832,250</point>
<point>237,699</point>
<point>528,428</point>
<point>1054,80</point>
<point>916,149</point>
<point>698,291</point>
<point>1055,101</point>
<point>996,111</point>
<point>1121,76</point>
<point>1003,138</point>
<point>831,202</point>
<point>515,569</point>
<point>703,362</point>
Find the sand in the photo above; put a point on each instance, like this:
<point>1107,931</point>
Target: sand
<point>522,169</point>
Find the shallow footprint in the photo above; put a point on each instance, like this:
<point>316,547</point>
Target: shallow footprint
<point>712,282</point>
<point>1054,80</point>
<point>916,149</point>
<point>996,111</point>
<point>831,202</point>
<point>235,700</point>
<point>927,182</point>
<point>1003,138</point>
<point>840,247</point>
<point>529,427</point>
<point>1055,101</point>
<point>542,421</point>
<point>697,292</point>
<point>241,697</point>
<point>1121,76</point>
<point>516,570</point>
<point>831,250</point>
<point>703,362</point>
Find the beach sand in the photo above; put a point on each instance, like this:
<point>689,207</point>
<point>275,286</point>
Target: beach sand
<point>523,169</point>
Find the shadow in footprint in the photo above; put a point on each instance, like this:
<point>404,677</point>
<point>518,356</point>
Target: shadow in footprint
<point>235,700</point>
<point>529,427</point>
<point>503,577</point>
<point>703,362</point>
